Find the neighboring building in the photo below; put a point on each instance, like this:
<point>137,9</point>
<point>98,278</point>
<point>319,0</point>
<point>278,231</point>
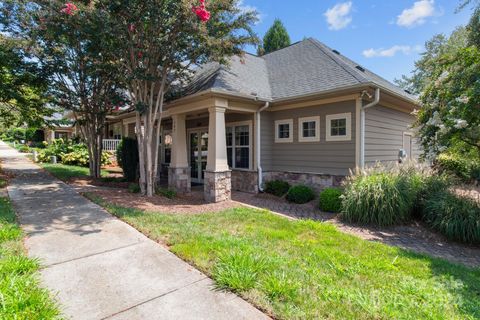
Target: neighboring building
<point>294,114</point>
<point>61,127</point>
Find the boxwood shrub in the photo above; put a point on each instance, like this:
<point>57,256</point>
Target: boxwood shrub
<point>455,217</point>
<point>330,200</point>
<point>277,187</point>
<point>127,158</point>
<point>300,194</point>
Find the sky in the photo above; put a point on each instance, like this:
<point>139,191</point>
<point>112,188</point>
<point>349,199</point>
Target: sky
<point>385,36</point>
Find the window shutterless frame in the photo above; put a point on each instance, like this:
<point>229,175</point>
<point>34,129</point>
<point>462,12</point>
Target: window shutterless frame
<point>341,125</point>
<point>233,147</point>
<point>284,131</point>
<point>309,129</point>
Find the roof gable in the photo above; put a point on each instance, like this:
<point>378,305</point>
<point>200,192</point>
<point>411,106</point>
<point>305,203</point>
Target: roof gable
<point>305,67</point>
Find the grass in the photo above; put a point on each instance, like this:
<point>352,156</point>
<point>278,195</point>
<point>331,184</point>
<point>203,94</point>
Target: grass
<point>66,172</point>
<point>20,294</point>
<point>310,270</point>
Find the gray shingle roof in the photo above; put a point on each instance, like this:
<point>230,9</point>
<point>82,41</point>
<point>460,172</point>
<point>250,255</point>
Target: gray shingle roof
<point>306,67</point>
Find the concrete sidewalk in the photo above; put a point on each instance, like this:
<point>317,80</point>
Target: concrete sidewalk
<point>100,267</point>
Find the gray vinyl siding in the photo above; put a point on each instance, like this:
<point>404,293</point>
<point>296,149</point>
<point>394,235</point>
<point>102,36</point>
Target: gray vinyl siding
<point>323,157</point>
<point>384,129</point>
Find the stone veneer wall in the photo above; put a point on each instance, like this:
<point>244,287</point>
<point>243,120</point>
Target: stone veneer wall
<point>316,181</point>
<point>179,179</point>
<point>217,186</point>
<point>246,181</point>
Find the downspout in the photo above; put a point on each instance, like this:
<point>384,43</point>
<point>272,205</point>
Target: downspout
<point>375,101</point>
<point>258,146</point>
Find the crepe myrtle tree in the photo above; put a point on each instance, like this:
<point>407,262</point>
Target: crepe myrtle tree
<point>68,43</point>
<point>450,110</point>
<point>157,43</point>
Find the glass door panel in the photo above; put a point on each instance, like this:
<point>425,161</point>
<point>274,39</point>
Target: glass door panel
<point>198,155</point>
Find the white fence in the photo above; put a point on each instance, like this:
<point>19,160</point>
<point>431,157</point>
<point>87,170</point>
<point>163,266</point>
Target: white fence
<point>110,144</point>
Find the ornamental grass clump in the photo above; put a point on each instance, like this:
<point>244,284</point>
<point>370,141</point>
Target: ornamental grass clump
<point>456,217</point>
<point>381,196</point>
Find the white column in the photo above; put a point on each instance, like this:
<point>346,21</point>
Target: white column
<point>217,141</point>
<point>179,143</point>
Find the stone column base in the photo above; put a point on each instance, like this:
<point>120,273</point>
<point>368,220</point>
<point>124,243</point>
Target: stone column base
<point>179,180</point>
<point>218,186</point>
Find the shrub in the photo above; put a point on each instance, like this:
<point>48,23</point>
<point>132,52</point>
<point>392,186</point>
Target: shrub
<point>76,158</point>
<point>330,200</point>
<point>464,166</point>
<point>277,187</point>
<point>167,193</point>
<point>300,194</point>
<point>24,148</point>
<point>127,158</point>
<point>134,188</point>
<point>379,197</point>
<point>456,217</point>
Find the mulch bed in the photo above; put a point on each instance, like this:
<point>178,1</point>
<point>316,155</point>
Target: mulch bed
<point>188,204</point>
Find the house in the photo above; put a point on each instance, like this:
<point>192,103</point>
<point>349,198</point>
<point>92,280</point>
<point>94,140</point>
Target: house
<point>305,114</point>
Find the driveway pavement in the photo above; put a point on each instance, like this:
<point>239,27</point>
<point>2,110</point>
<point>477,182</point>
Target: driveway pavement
<point>100,267</point>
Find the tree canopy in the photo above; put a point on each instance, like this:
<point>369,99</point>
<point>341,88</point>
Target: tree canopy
<point>23,87</point>
<point>276,38</point>
<point>157,42</point>
<point>69,44</point>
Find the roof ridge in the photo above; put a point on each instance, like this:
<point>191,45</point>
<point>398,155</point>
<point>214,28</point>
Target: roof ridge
<point>340,62</point>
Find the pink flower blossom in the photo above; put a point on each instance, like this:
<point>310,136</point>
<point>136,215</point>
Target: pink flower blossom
<point>131,28</point>
<point>201,11</point>
<point>69,9</point>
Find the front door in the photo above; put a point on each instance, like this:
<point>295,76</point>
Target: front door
<point>198,154</point>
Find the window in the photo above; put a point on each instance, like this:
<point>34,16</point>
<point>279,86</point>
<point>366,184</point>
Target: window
<point>309,129</point>
<point>339,127</point>
<point>284,131</point>
<point>238,146</point>
<point>167,147</point>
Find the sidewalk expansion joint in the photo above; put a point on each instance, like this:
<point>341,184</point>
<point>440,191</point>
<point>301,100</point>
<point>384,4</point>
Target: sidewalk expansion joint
<point>152,299</point>
<point>92,254</point>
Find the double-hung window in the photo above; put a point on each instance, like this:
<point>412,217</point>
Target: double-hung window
<point>309,129</point>
<point>239,146</point>
<point>339,127</point>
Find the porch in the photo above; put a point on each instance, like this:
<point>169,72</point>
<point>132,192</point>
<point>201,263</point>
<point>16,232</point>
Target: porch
<point>212,146</point>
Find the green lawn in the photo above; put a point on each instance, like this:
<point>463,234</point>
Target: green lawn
<point>65,172</point>
<point>307,269</point>
<point>20,294</point>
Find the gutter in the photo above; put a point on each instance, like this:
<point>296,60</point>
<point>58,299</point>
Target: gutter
<point>258,146</point>
<point>375,101</point>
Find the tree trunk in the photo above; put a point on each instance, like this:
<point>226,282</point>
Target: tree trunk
<point>94,138</point>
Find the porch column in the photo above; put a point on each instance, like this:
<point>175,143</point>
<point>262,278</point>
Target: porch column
<point>218,184</point>
<point>179,172</point>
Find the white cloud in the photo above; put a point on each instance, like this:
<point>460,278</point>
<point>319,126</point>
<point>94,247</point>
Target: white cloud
<point>417,14</point>
<point>338,17</point>
<point>390,52</point>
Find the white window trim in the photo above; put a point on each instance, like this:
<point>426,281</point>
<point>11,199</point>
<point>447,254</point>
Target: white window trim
<point>328,127</point>
<point>284,140</point>
<point>301,121</point>
<point>250,144</point>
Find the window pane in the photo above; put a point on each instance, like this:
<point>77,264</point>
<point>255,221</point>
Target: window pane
<point>242,158</point>
<point>242,136</point>
<point>338,127</point>
<point>309,129</point>
<point>229,131</point>
<point>284,131</point>
<point>229,157</point>
<point>168,155</point>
